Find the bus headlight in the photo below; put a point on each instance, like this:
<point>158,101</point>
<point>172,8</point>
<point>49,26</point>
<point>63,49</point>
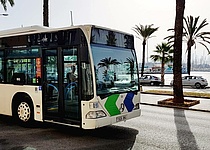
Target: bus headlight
<point>95,114</point>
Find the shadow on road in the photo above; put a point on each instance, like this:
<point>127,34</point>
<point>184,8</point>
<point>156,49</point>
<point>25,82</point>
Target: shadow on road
<point>105,138</point>
<point>52,136</point>
<point>185,136</point>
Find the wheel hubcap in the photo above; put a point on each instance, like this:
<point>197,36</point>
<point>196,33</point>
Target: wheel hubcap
<point>197,85</point>
<point>24,111</point>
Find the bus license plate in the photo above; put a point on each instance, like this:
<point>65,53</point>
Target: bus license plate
<point>120,118</point>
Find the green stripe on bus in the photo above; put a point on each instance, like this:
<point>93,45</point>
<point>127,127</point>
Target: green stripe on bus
<point>111,106</point>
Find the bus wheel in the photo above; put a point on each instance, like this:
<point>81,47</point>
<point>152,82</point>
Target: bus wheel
<point>23,112</point>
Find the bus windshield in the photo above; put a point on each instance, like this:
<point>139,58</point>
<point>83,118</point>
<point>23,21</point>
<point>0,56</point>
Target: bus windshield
<point>116,70</point>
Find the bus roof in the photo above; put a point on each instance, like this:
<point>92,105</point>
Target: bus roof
<point>31,30</point>
<point>22,30</point>
<point>40,29</point>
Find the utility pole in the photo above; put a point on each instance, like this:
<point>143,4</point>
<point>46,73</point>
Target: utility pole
<point>71,18</point>
<point>46,13</point>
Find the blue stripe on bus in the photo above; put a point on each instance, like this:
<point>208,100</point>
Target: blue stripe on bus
<point>129,102</point>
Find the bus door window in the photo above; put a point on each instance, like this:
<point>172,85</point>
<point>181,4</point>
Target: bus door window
<point>51,81</point>
<point>70,82</point>
<point>71,76</point>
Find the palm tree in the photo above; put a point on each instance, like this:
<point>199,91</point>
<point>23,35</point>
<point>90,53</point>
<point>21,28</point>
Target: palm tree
<point>46,13</point>
<point>177,65</point>
<point>111,39</point>
<point>106,62</point>
<point>145,32</point>
<point>192,34</point>
<point>4,3</point>
<point>164,51</point>
<point>131,66</point>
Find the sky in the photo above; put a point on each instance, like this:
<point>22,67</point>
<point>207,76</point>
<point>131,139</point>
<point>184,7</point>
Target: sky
<point>116,14</point>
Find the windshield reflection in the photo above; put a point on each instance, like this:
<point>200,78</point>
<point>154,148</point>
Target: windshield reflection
<point>116,70</point>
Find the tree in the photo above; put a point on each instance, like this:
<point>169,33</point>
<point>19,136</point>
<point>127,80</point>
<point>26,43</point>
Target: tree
<point>4,3</point>
<point>177,64</point>
<point>111,39</point>
<point>145,32</point>
<point>46,13</point>
<point>106,62</point>
<point>192,35</point>
<point>131,66</point>
<point>164,55</point>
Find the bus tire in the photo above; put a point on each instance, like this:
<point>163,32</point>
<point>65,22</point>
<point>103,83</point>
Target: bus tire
<point>23,111</point>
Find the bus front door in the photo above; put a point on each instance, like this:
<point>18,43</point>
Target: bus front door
<point>61,85</point>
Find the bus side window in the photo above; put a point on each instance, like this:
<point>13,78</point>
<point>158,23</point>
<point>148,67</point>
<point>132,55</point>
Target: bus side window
<point>1,66</point>
<point>24,66</point>
<point>10,71</point>
<point>19,78</point>
<point>1,79</point>
<point>1,76</point>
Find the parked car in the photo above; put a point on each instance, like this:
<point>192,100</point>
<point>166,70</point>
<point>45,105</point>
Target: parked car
<point>124,82</point>
<point>194,81</point>
<point>149,79</point>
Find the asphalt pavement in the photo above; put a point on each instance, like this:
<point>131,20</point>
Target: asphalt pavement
<point>152,99</point>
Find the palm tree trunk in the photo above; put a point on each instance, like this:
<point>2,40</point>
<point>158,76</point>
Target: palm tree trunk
<point>162,74</point>
<point>177,88</point>
<point>143,58</point>
<point>46,13</point>
<point>162,68</point>
<point>189,60</point>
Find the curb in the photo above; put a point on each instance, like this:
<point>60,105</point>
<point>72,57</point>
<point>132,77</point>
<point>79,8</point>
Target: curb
<point>168,106</point>
<point>178,107</point>
<point>172,95</point>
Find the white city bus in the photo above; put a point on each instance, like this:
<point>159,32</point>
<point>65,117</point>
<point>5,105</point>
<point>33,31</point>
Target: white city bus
<point>35,64</point>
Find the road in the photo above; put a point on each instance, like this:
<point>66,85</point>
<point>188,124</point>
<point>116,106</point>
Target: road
<point>158,128</point>
<point>168,128</point>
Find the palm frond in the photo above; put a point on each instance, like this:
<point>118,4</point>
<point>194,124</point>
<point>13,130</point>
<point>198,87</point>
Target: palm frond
<point>205,47</point>
<point>144,31</point>
<point>4,3</point>
<point>164,53</point>
<point>203,24</point>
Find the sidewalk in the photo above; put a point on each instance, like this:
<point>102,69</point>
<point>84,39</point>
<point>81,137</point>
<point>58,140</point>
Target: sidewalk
<point>152,99</point>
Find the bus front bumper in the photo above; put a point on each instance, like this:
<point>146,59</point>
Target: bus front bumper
<point>109,120</point>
